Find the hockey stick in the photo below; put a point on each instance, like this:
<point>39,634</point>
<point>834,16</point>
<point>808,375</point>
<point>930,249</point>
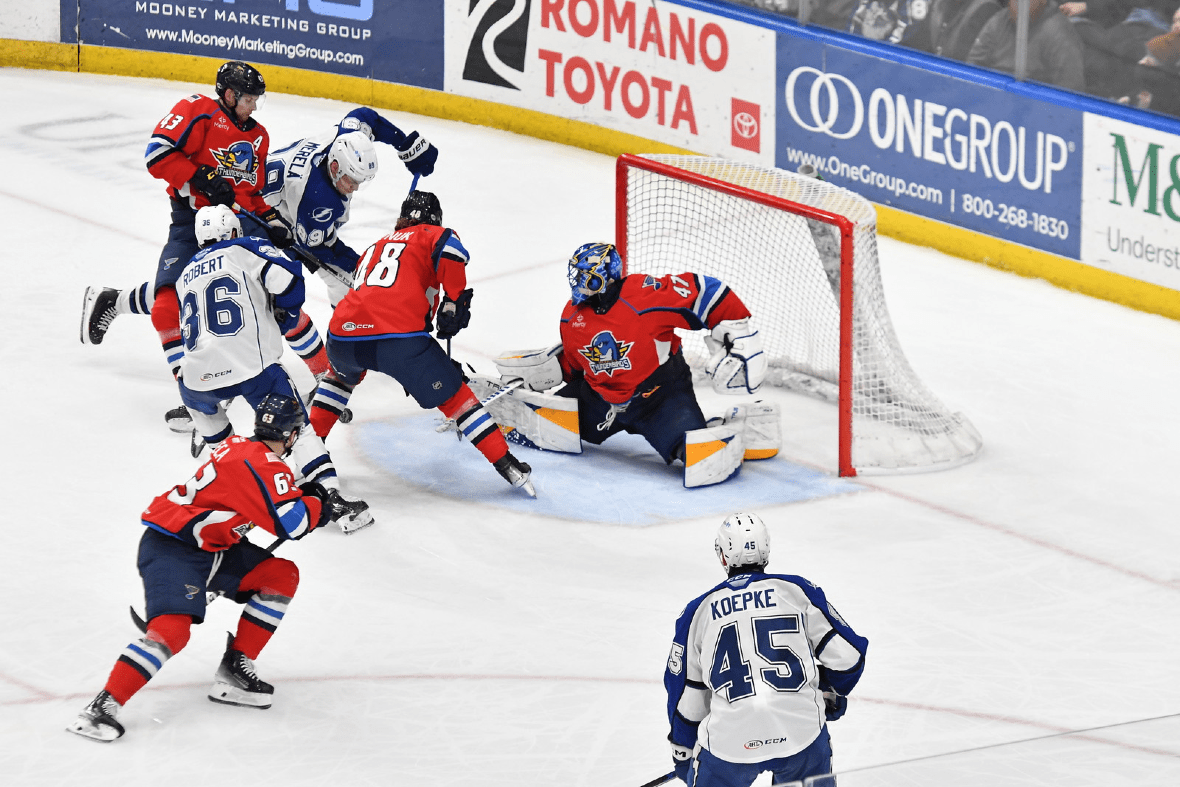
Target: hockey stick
<point>310,261</point>
<point>667,777</point>
<point>210,597</point>
<point>512,385</point>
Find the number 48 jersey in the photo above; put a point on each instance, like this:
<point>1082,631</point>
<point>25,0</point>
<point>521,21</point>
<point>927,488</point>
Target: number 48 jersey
<point>226,320</point>
<point>749,663</point>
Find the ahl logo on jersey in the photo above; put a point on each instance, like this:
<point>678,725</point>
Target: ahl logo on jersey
<point>607,354</point>
<point>238,162</point>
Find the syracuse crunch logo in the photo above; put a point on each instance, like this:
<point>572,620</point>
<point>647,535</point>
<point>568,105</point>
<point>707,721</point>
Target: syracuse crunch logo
<point>496,52</point>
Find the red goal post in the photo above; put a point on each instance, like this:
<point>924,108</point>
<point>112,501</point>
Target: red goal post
<point>802,254</point>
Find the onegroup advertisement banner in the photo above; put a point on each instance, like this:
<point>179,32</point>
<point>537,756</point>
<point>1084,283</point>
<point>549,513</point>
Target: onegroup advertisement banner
<point>1131,201</point>
<point>658,70</point>
<point>389,40</point>
<point>932,144</point>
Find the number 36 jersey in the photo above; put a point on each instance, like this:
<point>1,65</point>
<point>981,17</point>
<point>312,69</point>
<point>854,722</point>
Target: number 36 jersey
<point>749,663</point>
<point>226,319</point>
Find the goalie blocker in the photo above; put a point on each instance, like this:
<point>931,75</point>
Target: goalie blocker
<point>530,417</point>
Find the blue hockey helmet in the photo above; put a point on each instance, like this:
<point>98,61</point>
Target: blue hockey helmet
<point>277,417</point>
<point>593,268</point>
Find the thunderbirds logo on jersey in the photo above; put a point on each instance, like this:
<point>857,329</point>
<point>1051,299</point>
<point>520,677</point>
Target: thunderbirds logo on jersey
<point>607,354</point>
<point>238,161</point>
<point>506,46</point>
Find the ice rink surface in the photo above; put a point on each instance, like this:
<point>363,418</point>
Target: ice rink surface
<point>1023,611</point>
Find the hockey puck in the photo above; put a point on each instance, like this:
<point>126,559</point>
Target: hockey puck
<point>346,416</point>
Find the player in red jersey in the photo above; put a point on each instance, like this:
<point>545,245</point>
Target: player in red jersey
<point>208,152</point>
<point>621,359</point>
<point>194,543</point>
<point>384,324</point>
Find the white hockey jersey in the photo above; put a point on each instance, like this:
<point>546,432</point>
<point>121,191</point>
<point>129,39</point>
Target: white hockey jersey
<point>227,294</point>
<point>749,663</point>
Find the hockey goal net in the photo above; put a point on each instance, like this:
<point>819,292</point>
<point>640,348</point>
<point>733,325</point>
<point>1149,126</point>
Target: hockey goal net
<point>802,254</point>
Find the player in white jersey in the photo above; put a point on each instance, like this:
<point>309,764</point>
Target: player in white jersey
<point>237,297</point>
<point>311,183</point>
<point>758,665</point>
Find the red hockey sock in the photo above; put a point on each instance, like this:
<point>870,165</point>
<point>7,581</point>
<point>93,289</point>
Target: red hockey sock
<point>274,582</point>
<point>166,321</point>
<point>306,342</point>
<point>475,423</point>
<point>141,660</point>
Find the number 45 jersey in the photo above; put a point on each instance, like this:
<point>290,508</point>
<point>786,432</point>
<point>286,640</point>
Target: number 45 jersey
<point>749,663</point>
<point>226,318</point>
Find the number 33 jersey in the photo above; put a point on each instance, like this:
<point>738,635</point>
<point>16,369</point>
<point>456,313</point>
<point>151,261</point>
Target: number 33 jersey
<point>226,322</point>
<point>750,661</point>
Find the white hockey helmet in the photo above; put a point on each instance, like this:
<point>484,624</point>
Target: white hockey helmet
<point>355,157</point>
<point>742,541</point>
<point>216,222</point>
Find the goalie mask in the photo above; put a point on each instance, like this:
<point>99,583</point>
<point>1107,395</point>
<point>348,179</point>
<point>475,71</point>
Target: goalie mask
<point>277,418</point>
<point>742,541</point>
<point>355,158</point>
<point>216,223</point>
<point>592,269</point>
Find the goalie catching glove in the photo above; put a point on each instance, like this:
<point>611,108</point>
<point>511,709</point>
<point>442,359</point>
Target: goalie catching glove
<point>737,363</point>
<point>454,316</point>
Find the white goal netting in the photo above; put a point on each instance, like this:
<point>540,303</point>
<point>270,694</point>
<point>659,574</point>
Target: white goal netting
<point>778,238</point>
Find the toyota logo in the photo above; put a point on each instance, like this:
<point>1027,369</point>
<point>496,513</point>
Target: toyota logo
<point>746,125</point>
<point>826,84</point>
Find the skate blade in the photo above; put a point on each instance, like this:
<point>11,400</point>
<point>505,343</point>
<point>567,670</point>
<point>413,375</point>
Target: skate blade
<point>225,694</point>
<point>351,524</point>
<point>87,301</point>
<point>181,425</point>
<point>104,733</point>
<point>529,489</point>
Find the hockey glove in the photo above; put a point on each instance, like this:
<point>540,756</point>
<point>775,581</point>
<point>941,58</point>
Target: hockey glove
<point>277,229</point>
<point>834,705</point>
<point>312,489</point>
<point>417,154</point>
<point>216,189</point>
<point>454,316</point>
<point>681,761</point>
<point>286,320</point>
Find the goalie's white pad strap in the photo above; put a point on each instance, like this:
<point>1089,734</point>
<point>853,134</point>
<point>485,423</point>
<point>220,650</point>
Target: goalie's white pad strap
<point>712,455</point>
<point>761,427</point>
<point>539,368</point>
<point>531,419</point>
<point>743,368</point>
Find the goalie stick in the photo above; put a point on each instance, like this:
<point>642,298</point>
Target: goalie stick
<point>210,596</point>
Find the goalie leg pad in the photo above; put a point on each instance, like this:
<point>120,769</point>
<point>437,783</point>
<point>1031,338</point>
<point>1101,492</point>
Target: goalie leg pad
<point>539,368</point>
<point>534,420</point>
<point>760,425</point>
<point>712,455</point>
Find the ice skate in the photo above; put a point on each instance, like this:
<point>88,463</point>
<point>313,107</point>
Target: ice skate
<point>350,515</point>
<point>98,312</point>
<point>516,473</point>
<point>236,682</point>
<point>98,720</point>
<point>179,420</point>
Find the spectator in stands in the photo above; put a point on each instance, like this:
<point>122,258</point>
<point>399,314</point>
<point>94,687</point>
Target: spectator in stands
<point>1114,46</point>
<point>1054,47</point>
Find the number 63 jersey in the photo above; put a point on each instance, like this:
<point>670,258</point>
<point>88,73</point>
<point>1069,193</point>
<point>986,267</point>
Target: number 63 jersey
<point>750,662</point>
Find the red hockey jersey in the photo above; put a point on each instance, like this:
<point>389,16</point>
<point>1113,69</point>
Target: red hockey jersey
<point>197,131</point>
<point>396,286</point>
<point>243,485</point>
<point>620,349</point>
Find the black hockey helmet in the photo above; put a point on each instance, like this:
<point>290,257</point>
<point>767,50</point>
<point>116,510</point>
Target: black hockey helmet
<point>277,417</point>
<point>421,207</point>
<point>241,78</point>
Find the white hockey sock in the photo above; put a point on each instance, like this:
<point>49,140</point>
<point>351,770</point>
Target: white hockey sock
<point>136,300</point>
